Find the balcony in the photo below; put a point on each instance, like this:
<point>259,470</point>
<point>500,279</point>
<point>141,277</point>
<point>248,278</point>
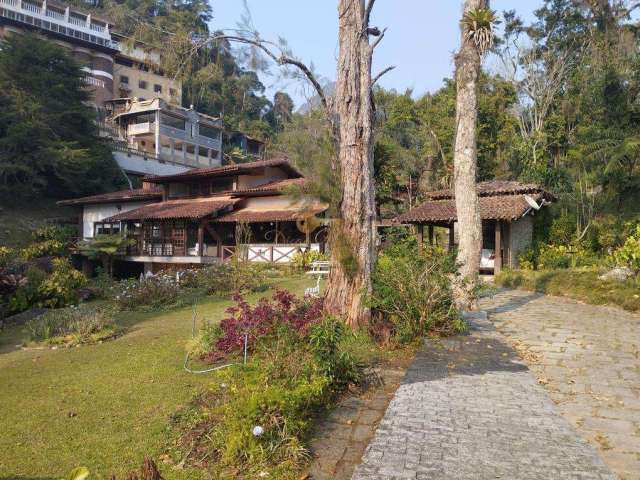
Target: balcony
<point>145,128</point>
<point>50,19</point>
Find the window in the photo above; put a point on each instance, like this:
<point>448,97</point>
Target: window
<point>172,92</point>
<point>221,185</point>
<point>124,79</point>
<point>203,152</point>
<point>142,84</point>
<point>209,132</point>
<point>101,228</point>
<point>157,88</point>
<point>191,149</point>
<point>172,121</point>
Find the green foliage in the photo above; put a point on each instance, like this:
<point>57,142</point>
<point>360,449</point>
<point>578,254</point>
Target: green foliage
<point>225,279</point>
<point>290,378</point>
<point>80,473</point>
<point>50,240</point>
<point>49,141</point>
<point>581,284</point>
<point>105,248</point>
<point>545,256</point>
<point>6,255</point>
<point>628,254</point>
<point>478,27</point>
<point>151,292</point>
<point>303,260</point>
<point>204,341</point>
<point>412,292</point>
<point>59,288</point>
<point>72,326</point>
<point>28,295</point>
<point>43,248</point>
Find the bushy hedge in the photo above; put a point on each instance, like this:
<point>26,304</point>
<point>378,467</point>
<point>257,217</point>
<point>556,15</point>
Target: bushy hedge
<point>225,279</point>
<point>412,292</point>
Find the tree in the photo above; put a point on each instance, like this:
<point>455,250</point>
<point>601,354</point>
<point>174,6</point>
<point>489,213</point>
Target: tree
<point>105,248</point>
<point>49,140</point>
<point>476,38</point>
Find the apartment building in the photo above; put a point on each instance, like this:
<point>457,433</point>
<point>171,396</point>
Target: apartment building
<point>115,66</point>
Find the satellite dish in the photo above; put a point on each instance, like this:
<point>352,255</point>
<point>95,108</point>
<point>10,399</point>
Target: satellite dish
<point>532,203</point>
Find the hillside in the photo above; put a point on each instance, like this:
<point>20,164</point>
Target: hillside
<point>19,219</point>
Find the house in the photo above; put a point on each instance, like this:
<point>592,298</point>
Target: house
<point>258,210</point>
<point>155,137</point>
<point>506,209</point>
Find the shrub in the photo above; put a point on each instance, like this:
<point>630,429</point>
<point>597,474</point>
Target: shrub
<point>303,260</point>
<point>256,417</point>
<point>27,295</point>
<point>71,325</point>
<point>59,288</point>
<point>6,255</point>
<point>412,291</point>
<point>154,291</point>
<point>552,257</point>
<point>224,279</point>
<point>263,320</point>
<point>628,255</point>
<point>44,248</point>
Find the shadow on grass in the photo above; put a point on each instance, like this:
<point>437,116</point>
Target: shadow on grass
<point>26,477</point>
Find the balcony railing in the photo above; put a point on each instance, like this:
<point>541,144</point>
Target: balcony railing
<point>30,7</point>
<point>54,14</point>
<point>97,28</point>
<point>140,128</point>
<point>77,21</point>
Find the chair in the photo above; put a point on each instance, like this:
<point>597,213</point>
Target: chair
<point>320,269</point>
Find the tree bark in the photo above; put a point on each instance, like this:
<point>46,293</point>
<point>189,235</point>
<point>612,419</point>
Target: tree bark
<point>353,234</point>
<point>468,61</point>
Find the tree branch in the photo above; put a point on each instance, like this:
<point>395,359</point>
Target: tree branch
<point>378,40</point>
<point>383,72</point>
<point>281,59</point>
<point>367,14</point>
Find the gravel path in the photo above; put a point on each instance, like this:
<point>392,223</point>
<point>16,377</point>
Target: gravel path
<point>469,408</point>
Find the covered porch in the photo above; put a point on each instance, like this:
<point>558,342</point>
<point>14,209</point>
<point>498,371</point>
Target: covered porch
<point>205,232</point>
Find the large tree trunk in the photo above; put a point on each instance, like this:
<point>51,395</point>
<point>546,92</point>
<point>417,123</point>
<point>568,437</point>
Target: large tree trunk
<point>353,234</point>
<point>468,63</point>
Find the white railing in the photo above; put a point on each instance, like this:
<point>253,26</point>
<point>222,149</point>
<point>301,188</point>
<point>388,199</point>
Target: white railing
<point>12,3</point>
<point>97,28</point>
<point>140,128</point>
<point>269,253</point>
<point>54,14</point>
<point>30,7</point>
<point>77,21</point>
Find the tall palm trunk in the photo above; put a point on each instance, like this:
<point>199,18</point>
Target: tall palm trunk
<point>353,235</point>
<point>465,156</point>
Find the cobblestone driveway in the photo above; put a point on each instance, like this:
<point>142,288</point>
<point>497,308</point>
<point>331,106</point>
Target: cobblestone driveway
<point>587,358</point>
<point>469,408</point>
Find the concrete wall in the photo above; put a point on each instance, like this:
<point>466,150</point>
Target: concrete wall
<point>132,88</point>
<point>138,165</point>
<point>520,238</point>
<point>96,213</point>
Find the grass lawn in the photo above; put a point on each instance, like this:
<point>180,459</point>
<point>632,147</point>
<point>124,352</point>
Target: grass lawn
<point>103,406</point>
<point>582,285</point>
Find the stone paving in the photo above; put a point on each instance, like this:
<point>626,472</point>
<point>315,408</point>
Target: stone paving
<point>587,358</point>
<point>341,437</point>
<point>469,408</point>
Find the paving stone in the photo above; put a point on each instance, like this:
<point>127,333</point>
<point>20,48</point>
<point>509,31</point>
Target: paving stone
<point>469,408</point>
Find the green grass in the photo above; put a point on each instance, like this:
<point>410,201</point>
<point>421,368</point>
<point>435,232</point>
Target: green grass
<point>582,285</point>
<point>103,406</point>
<point>19,219</point>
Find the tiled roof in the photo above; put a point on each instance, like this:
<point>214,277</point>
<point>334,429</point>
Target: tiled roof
<point>119,196</point>
<point>175,209</point>
<point>498,207</point>
<point>491,188</point>
<point>277,186</point>
<point>237,168</point>
<point>281,215</point>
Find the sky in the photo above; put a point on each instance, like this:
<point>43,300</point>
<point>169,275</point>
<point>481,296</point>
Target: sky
<point>421,39</point>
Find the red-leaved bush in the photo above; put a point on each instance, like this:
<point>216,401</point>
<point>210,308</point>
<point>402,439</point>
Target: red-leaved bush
<point>284,308</point>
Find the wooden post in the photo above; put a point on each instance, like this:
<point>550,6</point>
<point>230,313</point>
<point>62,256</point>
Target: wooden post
<point>431,235</point>
<point>307,234</point>
<point>451,237</point>
<point>497,262</point>
<point>420,237</point>
<point>200,239</point>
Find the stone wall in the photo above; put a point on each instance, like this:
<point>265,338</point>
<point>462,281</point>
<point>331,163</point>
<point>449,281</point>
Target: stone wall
<point>520,238</point>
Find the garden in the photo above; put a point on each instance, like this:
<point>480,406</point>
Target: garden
<point>600,266</point>
<point>219,371</point>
